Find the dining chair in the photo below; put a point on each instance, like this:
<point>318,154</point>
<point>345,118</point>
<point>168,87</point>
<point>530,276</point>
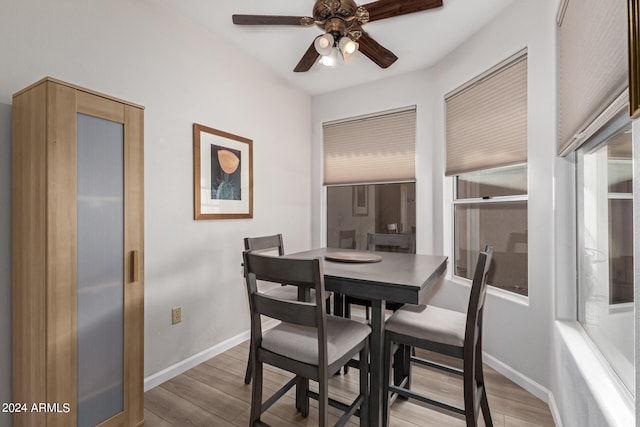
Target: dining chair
<point>347,239</point>
<point>308,342</point>
<point>273,244</point>
<point>447,332</point>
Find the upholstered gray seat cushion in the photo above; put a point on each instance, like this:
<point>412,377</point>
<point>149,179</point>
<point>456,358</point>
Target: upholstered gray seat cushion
<point>429,323</point>
<point>301,343</point>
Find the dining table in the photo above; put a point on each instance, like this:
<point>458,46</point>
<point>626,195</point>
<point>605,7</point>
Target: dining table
<point>379,277</point>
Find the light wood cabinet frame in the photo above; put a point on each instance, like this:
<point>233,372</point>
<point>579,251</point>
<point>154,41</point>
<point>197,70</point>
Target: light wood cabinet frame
<point>44,235</point>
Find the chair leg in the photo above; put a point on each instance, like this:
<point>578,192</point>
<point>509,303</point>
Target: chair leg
<point>338,304</point>
<point>347,314</point>
<point>302,400</point>
<point>386,379</point>
<point>402,366</point>
<point>247,374</point>
<point>364,386</point>
<point>323,401</point>
<point>470,390</point>
<point>484,403</point>
<point>256,394</point>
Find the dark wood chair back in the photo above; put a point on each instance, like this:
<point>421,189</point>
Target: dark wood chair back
<point>475,309</point>
<point>265,243</point>
<point>296,272</point>
<point>347,239</point>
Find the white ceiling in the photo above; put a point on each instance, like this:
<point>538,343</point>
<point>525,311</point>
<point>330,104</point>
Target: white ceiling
<point>419,40</point>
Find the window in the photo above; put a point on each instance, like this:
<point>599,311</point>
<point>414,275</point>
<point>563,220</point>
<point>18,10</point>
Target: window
<point>487,156</point>
<point>490,207</point>
<point>594,124</point>
<point>369,171</point>
<point>605,249</point>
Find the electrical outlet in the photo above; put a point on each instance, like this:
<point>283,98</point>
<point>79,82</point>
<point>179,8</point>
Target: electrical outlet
<point>176,315</point>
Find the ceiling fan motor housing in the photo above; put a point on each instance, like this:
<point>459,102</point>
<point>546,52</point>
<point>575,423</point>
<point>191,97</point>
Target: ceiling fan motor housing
<point>338,16</point>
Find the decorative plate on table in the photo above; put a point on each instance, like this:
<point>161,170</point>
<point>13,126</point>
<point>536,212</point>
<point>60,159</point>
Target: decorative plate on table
<point>353,257</point>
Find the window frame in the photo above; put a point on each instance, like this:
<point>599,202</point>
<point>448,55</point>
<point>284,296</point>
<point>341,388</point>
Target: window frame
<point>455,201</point>
<point>597,142</point>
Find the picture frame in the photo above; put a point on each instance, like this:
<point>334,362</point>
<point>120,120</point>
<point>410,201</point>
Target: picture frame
<point>360,200</point>
<point>222,174</point>
<point>633,9</point>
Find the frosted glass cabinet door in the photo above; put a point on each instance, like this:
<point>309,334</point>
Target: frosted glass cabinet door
<point>100,269</point>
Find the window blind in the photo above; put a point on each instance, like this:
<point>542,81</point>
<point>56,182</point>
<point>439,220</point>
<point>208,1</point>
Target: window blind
<point>377,148</point>
<point>593,65</point>
<point>486,119</point>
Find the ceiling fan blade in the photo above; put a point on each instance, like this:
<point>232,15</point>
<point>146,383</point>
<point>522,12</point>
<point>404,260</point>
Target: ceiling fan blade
<point>308,59</point>
<point>303,21</point>
<point>382,9</point>
<point>375,51</point>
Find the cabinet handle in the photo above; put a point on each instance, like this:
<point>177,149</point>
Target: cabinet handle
<point>135,266</point>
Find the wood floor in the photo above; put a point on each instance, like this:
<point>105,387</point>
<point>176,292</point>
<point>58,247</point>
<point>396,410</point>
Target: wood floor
<point>213,394</point>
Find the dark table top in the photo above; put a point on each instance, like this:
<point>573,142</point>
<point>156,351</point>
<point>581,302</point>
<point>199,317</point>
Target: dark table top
<point>397,277</point>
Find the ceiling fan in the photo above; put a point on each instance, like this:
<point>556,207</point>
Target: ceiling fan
<point>342,22</point>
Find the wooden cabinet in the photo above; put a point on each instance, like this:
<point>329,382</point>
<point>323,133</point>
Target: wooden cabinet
<point>78,256</point>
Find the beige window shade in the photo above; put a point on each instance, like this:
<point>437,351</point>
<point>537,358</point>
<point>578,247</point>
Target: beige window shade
<point>593,64</point>
<point>487,119</point>
<point>370,149</point>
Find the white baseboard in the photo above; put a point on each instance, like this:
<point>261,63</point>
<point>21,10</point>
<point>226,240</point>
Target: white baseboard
<point>526,383</point>
<point>190,362</point>
<point>166,374</point>
<point>555,413</point>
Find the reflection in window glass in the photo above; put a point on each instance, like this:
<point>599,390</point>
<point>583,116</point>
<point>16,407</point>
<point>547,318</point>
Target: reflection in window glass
<point>510,181</point>
<point>355,210</point>
<point>491,208</point>
<point>503,225</point>
<point>605,250</point>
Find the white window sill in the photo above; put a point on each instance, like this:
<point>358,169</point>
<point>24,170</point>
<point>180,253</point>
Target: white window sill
<point>614,400</point>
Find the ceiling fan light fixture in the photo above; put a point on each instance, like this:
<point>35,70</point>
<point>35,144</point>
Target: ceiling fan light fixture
<point>330,60</point>
<point>347,46</point>
<point>324,44</point>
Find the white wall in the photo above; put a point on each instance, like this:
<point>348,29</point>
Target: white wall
<point>144,53</point>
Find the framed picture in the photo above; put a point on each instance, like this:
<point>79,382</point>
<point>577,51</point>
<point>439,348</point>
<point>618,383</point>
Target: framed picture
<point>634,58</point>
<point>222,174</point>
<point>360,200</point>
